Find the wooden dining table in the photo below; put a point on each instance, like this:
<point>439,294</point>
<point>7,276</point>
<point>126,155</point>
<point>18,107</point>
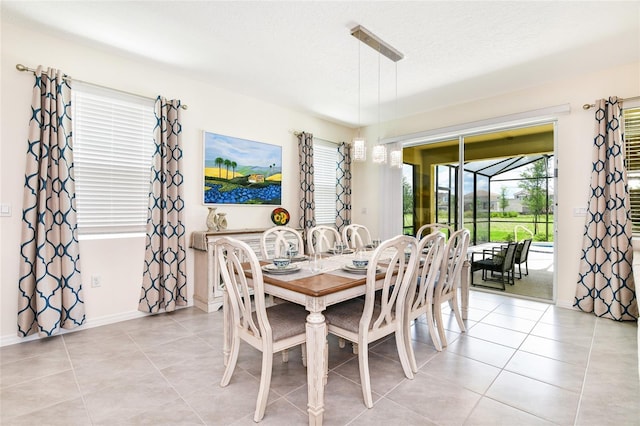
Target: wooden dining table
<point>316,291</point>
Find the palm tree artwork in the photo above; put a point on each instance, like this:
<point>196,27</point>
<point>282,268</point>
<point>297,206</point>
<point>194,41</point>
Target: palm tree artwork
<point>219,161</point>
<point>253,171</point>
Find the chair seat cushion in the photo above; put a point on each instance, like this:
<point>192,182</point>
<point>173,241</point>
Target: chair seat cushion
<point>286,319</point>
<point>487,264</point>
<point>347,315</point>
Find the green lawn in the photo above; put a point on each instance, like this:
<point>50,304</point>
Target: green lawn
<point>502,229</point>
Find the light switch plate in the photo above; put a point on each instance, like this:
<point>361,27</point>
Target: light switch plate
<point>579,211</point>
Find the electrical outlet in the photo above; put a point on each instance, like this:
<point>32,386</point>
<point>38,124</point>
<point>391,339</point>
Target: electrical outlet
<point>95,281</point>
<point>5,209</point>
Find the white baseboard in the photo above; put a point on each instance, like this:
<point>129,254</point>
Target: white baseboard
<point>96,322</point>
<point>565,304</point>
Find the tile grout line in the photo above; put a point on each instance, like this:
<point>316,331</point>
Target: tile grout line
<point>586,370</point>
<point>75,378</point>
<point>163,376</point>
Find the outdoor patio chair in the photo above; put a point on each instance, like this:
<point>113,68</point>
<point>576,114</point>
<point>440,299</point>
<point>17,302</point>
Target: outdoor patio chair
<point>522,254</point>
<point>501,261</point>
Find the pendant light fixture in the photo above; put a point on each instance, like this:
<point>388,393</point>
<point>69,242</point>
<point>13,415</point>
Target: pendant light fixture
<point>379,154</point>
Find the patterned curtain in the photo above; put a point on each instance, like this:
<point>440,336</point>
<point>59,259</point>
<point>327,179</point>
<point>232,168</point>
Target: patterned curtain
<point>307,203</point>
<point>164,283</point>
<point>50,285</point>
<point>605,283</point>
<point>343,186</point>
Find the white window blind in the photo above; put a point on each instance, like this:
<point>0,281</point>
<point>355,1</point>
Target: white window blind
<point>113,146</point>
<point>632,142</point>
<point>325,162</point>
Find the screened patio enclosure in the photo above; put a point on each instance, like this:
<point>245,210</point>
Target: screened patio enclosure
<point>507,184</point>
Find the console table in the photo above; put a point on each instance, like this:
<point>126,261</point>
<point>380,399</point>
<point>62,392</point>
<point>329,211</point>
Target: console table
<point>208,292</point>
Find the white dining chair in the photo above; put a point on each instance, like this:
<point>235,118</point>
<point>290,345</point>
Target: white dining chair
<point>420,293</point>
<point>270,330</point>
<point>356,236</point>
<point>433,227</point>
<point>276,241</point>
<point>365,321</point>
<point>321,238</point>
<point>449,280</point>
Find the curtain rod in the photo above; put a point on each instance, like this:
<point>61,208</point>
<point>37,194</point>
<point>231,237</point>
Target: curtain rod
<point>589,106</point>
<point>297,133</point>
<point>21,67</point>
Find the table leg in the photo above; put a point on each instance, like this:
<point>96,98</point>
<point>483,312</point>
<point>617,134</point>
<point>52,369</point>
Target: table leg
<point>464,289</point>
<point>316,359</point>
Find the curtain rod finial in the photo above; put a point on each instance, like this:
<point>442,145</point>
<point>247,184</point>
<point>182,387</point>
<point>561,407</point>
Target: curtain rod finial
<point>21,67</point>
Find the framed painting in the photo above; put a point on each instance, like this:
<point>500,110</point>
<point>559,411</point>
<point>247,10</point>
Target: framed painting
<point>240,171</point>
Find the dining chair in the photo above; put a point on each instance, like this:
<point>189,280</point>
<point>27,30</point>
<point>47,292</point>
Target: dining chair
<point>270,330</point>
<point>449,279</point>
<point>276,241</point>
<point>433,227</point>
<point>356,236</point>
<point>321,238</point>
<point>420,293</point>
<point>364,321</point>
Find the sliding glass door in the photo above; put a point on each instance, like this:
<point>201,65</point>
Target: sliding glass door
<point>501,192</point>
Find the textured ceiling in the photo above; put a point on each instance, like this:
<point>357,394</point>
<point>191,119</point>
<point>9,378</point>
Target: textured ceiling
<point>301,54</point>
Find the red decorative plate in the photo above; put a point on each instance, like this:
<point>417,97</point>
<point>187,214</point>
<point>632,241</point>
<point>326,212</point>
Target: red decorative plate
<point>280,216</point>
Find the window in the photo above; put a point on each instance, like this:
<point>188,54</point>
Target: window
<point>113,147</point>
<point>325,161</point>
<point>632,141</point>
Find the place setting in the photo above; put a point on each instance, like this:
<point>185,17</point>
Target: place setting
<point>359,265</point>
<point>340,249</point>
<point>281,266</point>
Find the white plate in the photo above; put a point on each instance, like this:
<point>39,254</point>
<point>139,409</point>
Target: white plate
<point>273,269</point>
<point>345,251</point>
<point>349,267</point>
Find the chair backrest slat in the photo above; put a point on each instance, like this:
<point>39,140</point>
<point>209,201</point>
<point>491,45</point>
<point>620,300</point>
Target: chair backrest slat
<point>276,241</point>
<point>431,250</point>
<point>356,236</point>
<point>321,238</point>
<point>433,227</point>
<point>399,255</point>
<point>454,256</point>
<point>233,256</point>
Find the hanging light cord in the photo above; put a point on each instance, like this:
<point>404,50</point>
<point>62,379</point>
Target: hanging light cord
<point>359,89</point>
<point>379,95</point>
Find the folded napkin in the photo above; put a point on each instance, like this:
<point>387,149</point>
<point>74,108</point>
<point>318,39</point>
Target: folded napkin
<point>199,240</point>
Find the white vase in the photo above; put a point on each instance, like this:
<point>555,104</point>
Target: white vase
<point>222,221</point>
<point>212,220</point>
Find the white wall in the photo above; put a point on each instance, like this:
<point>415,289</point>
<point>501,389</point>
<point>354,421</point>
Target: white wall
<point>119,261</point>
<point>574,135</point>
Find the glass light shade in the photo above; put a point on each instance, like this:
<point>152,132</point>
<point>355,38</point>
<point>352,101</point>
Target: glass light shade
<point>395,157</point>
<point>359,149</point>
<point>379,155</point>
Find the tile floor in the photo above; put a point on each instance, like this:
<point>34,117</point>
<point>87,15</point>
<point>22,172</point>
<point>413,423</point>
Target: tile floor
<point>520,363</point>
